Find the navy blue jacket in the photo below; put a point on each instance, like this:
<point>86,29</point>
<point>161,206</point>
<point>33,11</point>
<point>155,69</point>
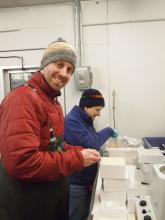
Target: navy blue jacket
<point>79,131</point>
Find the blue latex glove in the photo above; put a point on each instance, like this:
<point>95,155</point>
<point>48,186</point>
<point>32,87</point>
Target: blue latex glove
<point>115,134</point>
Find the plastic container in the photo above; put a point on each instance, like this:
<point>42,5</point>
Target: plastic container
<point>154,142</point>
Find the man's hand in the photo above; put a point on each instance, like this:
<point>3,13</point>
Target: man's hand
<point>90,157</point>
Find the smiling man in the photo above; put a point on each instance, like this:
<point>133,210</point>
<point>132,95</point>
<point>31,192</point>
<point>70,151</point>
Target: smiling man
<point>34,158</point>
<point>79,130</point>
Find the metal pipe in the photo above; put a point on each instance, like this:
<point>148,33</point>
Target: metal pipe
<point>78,26</point>
<point>17,50</point>
<point>124,22</point>
<point>10,30</point>
<point>113,108</point>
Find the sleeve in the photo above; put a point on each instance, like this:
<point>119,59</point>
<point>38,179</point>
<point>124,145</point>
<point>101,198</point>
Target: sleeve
<point>22,157</point>
<point>76,133</point>
<point>69,147</point>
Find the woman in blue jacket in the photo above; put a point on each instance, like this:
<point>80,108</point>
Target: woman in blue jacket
<point>79,130</point>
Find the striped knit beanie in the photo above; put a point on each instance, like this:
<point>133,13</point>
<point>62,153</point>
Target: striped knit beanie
<point>90,98</point>
<point>59,50</point>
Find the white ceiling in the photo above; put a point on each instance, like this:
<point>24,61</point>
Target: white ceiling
<point>19,3</point>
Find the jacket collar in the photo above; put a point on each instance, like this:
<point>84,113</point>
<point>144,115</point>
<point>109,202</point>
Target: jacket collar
<point>83,114</point>
<point>39,82</point>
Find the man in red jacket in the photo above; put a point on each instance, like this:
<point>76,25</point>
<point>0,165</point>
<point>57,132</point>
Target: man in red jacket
<point>34,158</point>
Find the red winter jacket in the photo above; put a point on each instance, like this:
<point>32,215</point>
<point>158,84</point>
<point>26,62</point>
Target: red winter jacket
<point>25,118</point>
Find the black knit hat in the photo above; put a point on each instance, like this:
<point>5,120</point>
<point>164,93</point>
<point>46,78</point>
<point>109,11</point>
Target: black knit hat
<point>90,98</point>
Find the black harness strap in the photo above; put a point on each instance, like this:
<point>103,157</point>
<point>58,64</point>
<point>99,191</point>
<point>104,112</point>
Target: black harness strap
<point>55,143</point>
